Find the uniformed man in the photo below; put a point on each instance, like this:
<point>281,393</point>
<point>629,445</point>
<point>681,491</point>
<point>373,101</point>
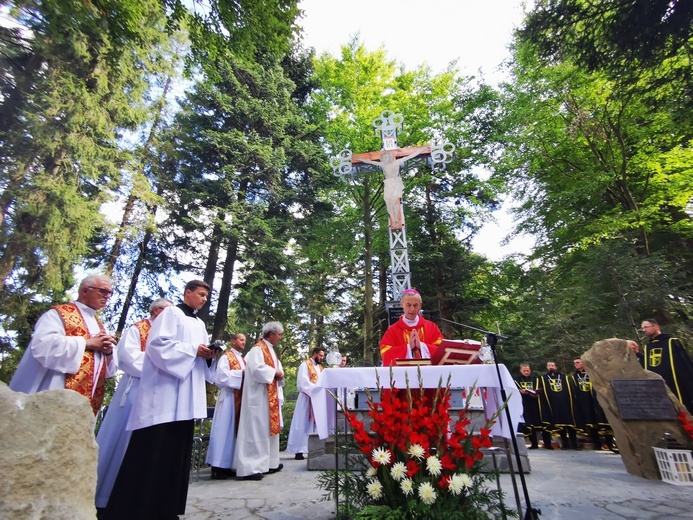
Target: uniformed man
<point>665,355</point>
<point>592,418</point>
<point>556,397</point>
<point>527,384</point>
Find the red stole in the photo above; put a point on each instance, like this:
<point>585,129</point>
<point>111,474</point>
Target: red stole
<point>312,371</point>
<point>313,376</point>
<point>82,382</point>
<point>234,364</point>
<point>144,326</point>
<point>272,392</point>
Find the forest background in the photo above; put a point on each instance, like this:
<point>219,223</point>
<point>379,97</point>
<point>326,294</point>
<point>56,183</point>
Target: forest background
<point>208,127</point>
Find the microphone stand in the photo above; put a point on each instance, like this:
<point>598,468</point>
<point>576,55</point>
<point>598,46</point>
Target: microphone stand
<point>491,340</point>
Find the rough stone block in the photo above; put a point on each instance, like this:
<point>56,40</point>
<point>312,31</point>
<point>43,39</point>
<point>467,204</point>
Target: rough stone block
<point>612,359</point>
<point>48,455</point>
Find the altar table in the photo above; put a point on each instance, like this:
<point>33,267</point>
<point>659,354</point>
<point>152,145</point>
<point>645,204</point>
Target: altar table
<point>461,376</point>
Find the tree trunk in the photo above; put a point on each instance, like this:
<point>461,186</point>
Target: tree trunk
<point>368,331</point>
<point>441,295</point>
<point>211,265</point>
<point>222,316</point>
<point>137,269</point>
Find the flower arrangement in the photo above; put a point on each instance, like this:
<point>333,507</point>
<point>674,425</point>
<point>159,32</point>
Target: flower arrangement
<point>687,425</point>
<point>415,464</point>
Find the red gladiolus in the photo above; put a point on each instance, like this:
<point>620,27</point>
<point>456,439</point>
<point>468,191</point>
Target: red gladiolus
<point>448,463</point>
<point>412,468</point>
<point>412,426</point>
<point>685,423</point>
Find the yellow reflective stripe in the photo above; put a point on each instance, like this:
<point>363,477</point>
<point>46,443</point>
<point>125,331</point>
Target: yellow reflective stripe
<point>673,371</point>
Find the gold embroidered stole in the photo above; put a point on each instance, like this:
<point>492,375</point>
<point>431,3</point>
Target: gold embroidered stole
<point>272,392</point>
<point>234,364</point>
<point>144,326</point>
<point>313,377</point>
<point>312,371</point>
<point>82,382</point>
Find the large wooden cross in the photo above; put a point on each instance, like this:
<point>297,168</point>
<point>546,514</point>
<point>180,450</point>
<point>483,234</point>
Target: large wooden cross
<point>389,159</point>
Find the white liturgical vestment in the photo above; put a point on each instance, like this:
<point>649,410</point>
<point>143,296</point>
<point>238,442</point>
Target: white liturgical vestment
<point>51,354</point>
<point>172,387</point>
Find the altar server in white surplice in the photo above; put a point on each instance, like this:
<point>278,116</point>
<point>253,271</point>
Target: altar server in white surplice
<point>113,438</point>
<point>222,438</point>
<point>303,421</point>
<point>257,445</point>
<point>153,477</point>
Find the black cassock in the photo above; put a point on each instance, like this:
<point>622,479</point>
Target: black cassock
<point>666,356</point>
<point>530,404</point>
<point>556,398</point>
<point>590,415</point>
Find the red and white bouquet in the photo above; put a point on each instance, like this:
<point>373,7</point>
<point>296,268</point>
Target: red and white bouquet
<point>418,465</point>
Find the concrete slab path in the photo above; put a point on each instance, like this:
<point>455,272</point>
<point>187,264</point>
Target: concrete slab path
<point>564,485</point>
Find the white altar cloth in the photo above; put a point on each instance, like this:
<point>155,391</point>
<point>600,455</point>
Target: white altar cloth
<point>461,376</point>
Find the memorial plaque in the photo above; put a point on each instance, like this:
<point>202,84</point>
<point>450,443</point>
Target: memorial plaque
<point>394,311</point>
<point>643,400</point>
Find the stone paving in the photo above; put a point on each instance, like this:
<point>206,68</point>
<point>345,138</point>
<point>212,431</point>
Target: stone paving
<point>564,485</point>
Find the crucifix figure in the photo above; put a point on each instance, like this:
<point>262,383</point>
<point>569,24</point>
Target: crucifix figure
<point>394,187</point>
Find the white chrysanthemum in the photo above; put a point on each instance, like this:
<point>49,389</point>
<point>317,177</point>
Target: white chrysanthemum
<point>398,471</point>
<point>371,472</point>
<point>375,489</point>
<point>466,480</point>
<point>427,493</point>
<point>433,465</point>
<point>407,486</point>
<point>415,451</point>
<point>456,484</point>
<point>381,455</point>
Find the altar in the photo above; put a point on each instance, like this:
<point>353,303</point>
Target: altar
<point>333,380</point>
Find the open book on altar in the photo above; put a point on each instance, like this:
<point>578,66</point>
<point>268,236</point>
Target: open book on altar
<point>457,352</point>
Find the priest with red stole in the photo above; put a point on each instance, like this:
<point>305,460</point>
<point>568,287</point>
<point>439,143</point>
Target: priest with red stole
<point>411,336</point>
<point>70,347</point>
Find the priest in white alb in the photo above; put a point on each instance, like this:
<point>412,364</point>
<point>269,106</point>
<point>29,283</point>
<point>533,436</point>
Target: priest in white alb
<point>257,444</point>
<point>70,348</point>
<point>303,421</point>
<point>222,437</point>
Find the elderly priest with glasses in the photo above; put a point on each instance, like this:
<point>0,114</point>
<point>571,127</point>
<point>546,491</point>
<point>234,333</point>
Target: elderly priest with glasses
<point>70,347</point>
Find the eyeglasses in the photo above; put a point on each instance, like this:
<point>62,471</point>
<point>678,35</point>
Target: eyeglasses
<point>104,292</point>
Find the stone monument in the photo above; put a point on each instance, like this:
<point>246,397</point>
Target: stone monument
<point>611,360</point>
<point>47,455</point>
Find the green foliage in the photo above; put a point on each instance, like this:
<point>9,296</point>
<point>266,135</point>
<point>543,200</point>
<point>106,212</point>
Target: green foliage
<point>254,29</point>
<point>609,34</point>
<point>603,177</point>
<point>72,83</point>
